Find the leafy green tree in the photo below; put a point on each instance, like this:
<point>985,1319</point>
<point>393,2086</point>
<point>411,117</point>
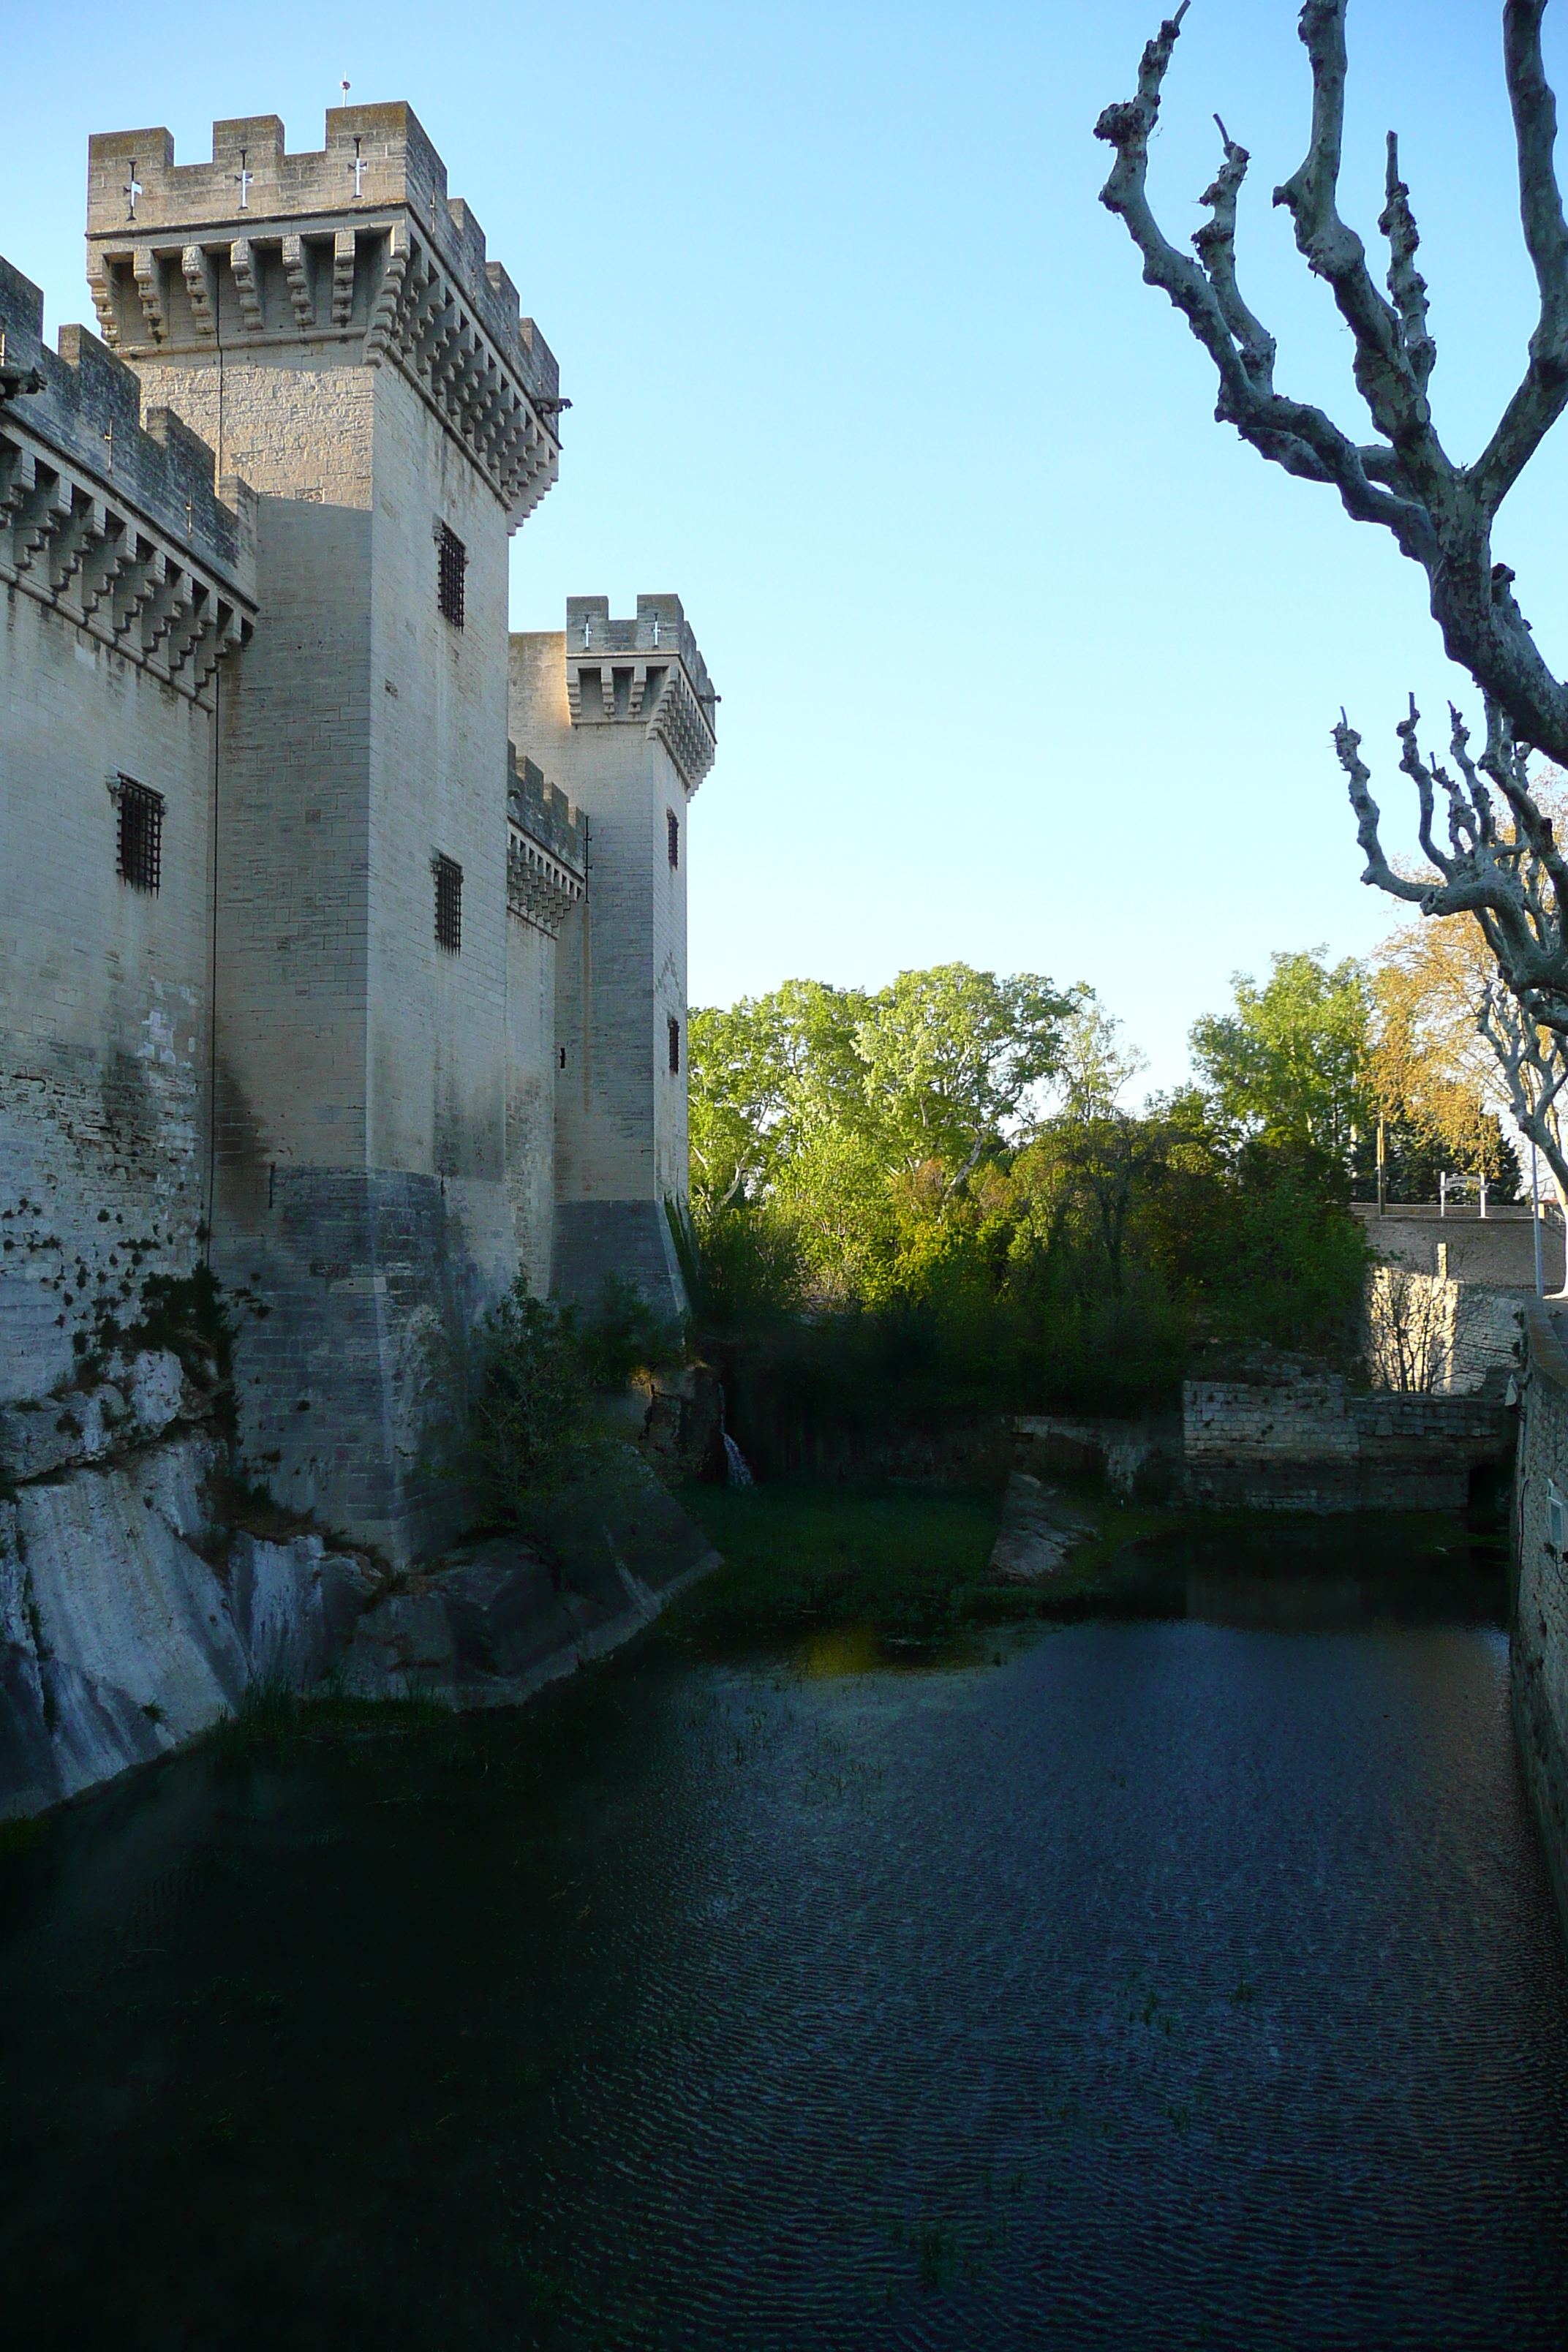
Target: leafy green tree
<point>1097,1063</point>
<point>938,1066</point>
<point>834,1191</point>
<point>1291,1064</point>
<point>760,1072</point>
<point>951,1057</point>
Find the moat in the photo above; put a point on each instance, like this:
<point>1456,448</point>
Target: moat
<point>1183,1980</point>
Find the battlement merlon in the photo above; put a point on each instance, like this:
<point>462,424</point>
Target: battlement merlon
<point>356,244</point>
<point>112,515</point>
<point>648,672</point>
<point>539,808</point>
<point>546,848</point>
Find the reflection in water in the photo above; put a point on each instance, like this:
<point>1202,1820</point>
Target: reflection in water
<point>1289,1604</point>
<point>848,1650</point>
<point>1173,1983</point>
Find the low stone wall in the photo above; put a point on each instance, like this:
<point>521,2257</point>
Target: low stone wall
<point>1497,1249</point>
<point>1139,1460</point>
<point>1539,1648</point>
<point>1301,1441</point>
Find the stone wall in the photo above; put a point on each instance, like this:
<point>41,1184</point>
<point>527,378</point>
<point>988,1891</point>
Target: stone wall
<point>1539,1648</point>
<point>1299,1440</point>
<point>126,581</point>
<point>1427,1331</point>
<point>1139,1460</point>
<point>1497,1249</point>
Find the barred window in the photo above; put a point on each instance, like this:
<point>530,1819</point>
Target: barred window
<point>673,821</point>
<point>140,835</point>
<point>674,1046</point>
<point>448,905</point>
<point>454,564</point>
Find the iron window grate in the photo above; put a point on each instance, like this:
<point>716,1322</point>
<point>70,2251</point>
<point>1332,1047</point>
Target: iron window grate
<point>140,835</point>
<point>454,564</point>
<point>673,821</point>
<point>448,905</point>
<point>674,1046</point>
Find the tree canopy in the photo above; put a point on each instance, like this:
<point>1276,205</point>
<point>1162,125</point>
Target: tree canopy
<point>1290,1065</point>
<point>937,1067</point>
<point>955,1155</point>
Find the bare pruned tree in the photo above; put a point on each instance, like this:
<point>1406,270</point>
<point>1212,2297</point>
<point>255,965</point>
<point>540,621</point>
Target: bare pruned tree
<point>1511,875</point>
<point>1534,1066</point>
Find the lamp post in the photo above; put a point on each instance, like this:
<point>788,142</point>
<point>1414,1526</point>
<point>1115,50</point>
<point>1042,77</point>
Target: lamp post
<point>1382,1159</point>
<point>1535,1221</point>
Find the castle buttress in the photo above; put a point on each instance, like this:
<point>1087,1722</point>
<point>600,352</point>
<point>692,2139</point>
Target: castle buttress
<point>428,954</point>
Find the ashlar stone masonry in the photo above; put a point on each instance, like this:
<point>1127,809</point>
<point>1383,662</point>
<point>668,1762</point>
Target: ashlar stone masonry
<point>344,939</point>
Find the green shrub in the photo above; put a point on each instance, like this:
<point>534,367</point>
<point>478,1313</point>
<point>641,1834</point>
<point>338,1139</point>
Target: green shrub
<point>532,1428</point>
<point>625,1335</point>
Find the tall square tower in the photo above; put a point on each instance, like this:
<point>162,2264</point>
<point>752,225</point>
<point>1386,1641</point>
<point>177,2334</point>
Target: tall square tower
<point>621,714</point>
<point>330,323</point>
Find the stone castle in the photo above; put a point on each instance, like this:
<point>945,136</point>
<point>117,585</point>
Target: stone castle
<point>344,935</point>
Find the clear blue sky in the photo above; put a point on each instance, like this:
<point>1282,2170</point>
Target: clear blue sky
<point>1024,661</point>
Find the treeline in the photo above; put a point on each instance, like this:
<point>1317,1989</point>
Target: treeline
<point>934,1199</point>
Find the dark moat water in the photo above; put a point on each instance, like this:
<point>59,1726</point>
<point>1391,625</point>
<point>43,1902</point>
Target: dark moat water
<point>1177,1982</point>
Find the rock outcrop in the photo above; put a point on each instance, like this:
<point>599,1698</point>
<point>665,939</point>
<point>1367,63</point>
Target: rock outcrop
<point>130,1620</point>
<point>498,1620</point>
<point>1039,1530</point>
<point>134,1617</point>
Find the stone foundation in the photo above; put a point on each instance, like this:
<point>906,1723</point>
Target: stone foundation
<point>631,1238</point>
<point>134,1616</point>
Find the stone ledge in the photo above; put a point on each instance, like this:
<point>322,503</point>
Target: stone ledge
<point>496,1623</point>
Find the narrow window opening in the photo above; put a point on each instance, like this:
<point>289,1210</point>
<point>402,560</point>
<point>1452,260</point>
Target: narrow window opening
<point>448,905</point>
<point>674,1046</point>
<point>140,835</point>
<point>673,821</point>
<point>454,564</point>
<point>563,1057</point>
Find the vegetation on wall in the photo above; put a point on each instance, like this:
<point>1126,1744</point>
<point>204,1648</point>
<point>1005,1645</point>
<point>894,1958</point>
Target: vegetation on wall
<point>533,1430</point>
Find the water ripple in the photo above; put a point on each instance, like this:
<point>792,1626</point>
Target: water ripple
<point>1171,1985</point>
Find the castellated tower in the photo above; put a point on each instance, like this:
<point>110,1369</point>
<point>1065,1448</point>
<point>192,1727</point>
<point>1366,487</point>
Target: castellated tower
<point>330,325</point>
<point>622,714</point>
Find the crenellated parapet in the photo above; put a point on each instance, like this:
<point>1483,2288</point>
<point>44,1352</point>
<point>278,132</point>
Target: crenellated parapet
<point>647,673</point>
<point>113,519</point>
<point>547,847</point>
<point>355,251</point>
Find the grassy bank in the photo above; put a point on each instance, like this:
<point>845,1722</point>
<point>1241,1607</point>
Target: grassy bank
<point>909,1564</point>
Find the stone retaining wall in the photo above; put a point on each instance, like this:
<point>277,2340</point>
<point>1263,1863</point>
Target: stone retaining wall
<point>1539,1648</point>
<point>1301,1441</point>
